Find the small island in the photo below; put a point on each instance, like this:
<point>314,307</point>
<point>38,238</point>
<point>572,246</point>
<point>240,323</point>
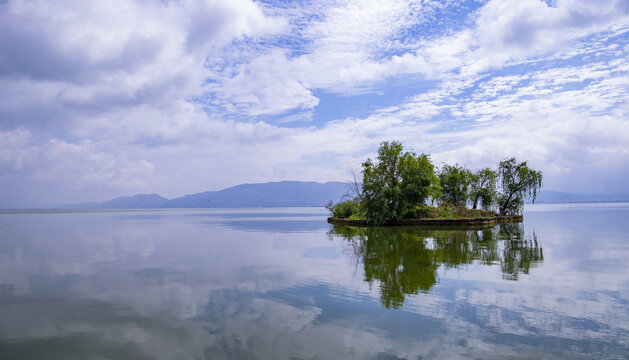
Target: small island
<point>403,188</point>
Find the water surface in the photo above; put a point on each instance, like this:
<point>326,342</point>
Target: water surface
<point>283,284</point>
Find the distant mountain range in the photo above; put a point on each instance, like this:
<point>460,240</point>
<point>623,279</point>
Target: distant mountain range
<point>285,193</point>
<point>272,194</point>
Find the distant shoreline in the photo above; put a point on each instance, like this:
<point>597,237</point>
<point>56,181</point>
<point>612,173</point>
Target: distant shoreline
<point>60,210</point>
<point>271,194</point>
<point>579,202</point>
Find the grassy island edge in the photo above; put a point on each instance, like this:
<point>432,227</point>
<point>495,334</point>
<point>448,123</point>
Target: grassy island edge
<point>480,221</point>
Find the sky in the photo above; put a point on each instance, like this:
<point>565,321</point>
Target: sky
<point>108,98</point>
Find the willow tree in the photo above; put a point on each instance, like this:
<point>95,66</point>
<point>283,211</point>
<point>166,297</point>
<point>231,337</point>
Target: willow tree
<point>517,181</point>
<point>483,188</point>
<point>395,183</point>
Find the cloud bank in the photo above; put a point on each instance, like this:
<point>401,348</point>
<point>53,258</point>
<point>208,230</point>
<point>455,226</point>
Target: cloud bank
<point>110,98</point>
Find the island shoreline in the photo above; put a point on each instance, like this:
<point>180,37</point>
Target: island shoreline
<point>480,221</point>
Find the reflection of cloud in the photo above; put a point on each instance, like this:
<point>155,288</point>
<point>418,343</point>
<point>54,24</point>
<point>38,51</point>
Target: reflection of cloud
<point>187,280</point>
<point>311,321</point>
<point>162,260</point>
<point>56,328</point>
<point>333,326</point>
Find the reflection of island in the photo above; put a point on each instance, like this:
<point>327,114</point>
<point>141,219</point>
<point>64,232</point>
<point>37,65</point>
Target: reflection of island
<point>405,261</point>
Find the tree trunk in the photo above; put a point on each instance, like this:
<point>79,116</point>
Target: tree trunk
<point>503,207</point>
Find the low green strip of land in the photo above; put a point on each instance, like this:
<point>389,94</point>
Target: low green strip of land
<point>482,221</point>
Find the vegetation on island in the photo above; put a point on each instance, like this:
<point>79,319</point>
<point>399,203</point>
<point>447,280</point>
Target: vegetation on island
<point>400,184</point>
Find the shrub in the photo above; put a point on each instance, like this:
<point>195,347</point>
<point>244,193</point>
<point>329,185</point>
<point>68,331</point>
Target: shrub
<point>422,212</point>
<point>447,211</point>
<point>349,209</point>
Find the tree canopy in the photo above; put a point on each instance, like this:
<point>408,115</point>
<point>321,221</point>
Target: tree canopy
<point>517,181</point>
<point>399,183</point>
<point>483,188</point>
<point>396,182</point>
<point>455,183</point>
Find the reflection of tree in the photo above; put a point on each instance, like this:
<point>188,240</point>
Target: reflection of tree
<point>400,262</point>
<point>519,253</point>
<point>405,261</point>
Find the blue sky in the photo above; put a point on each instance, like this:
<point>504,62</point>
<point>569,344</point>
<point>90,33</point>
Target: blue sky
<point>110,98</point>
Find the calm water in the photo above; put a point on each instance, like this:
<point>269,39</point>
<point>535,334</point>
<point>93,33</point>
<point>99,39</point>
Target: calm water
<point>283,284</point>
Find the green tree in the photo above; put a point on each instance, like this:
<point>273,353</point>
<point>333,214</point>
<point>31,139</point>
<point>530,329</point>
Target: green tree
<point>395,183</point>
<point>483,188</point>
<point>517,181</point>
<point>455,183</point>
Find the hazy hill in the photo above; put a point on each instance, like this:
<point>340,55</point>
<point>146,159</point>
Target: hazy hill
<point>140,201</point>
<point>284,193</point>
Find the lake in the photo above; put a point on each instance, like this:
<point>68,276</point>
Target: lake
<point>281,283</point>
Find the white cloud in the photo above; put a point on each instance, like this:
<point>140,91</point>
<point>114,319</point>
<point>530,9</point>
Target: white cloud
<point>190,96</point>
<point>52,170</point>
<point>355,45</point>
<point>516,30</point>
<point>102,54</point>
<point>345,47</point>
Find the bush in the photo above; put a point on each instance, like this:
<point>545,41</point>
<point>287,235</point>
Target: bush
<point>463,212</point>
<point>421,212</point>
<point>445,211</point>
<point>349,209</point>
